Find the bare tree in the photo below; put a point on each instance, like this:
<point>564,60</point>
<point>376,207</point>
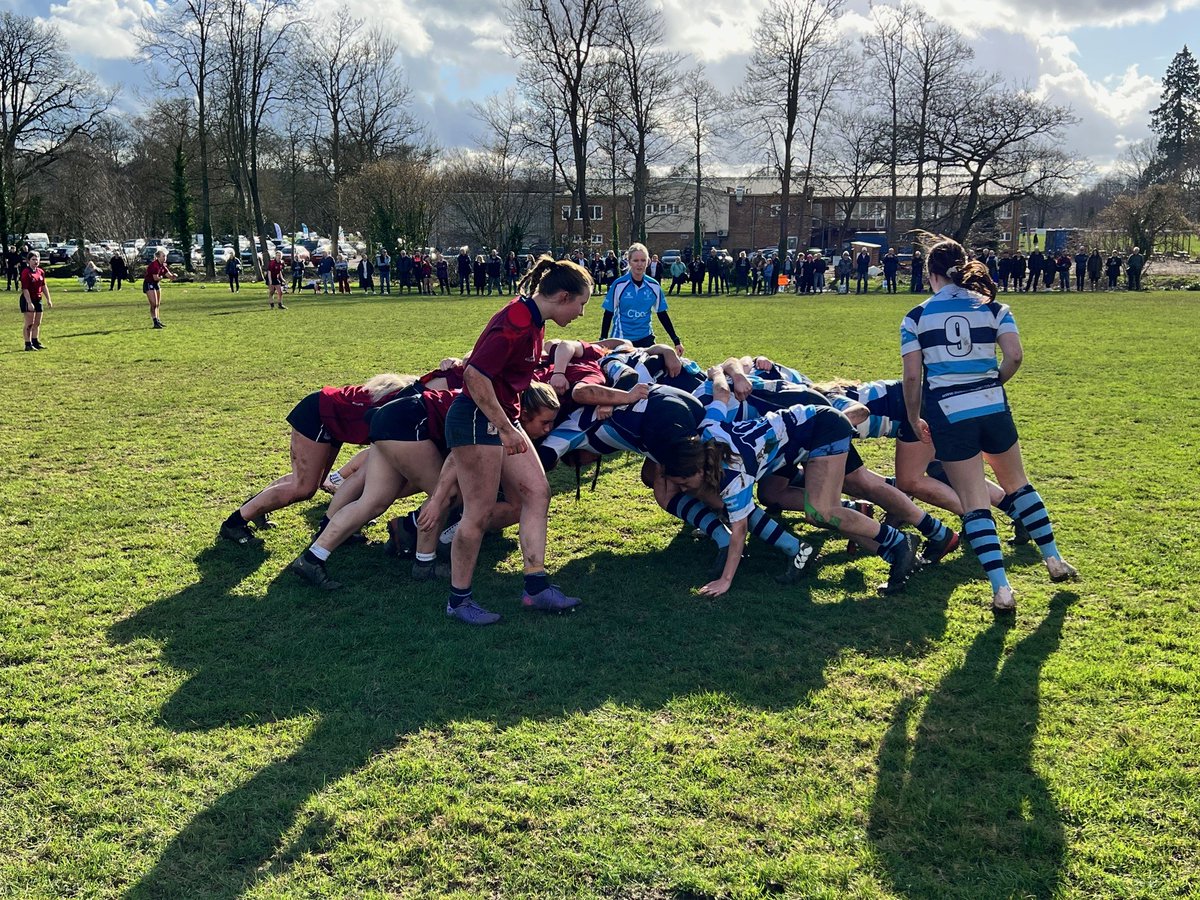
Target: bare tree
<point>179,42</point>
<point>561,39</point>
<point>885,49</point>
<point>255,37</point>
<point>854,159</point>
<point>46,103</point>
<point>648,74</point>
<point>364,101</point>
<point>1000,147</point>
<point>698,120</point>
<point>788,43</point>
<point>1148,215</point>
<point>934,66</point>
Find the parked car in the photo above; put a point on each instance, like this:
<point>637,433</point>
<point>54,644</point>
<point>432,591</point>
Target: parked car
<point>668,258</point>
<point>174,256</point>
<point>57,253</point>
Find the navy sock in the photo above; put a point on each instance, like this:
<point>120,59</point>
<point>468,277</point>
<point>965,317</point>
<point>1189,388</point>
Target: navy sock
<point>1027,508</point>
<point>889,540</point>
<point>932,528</point>
<point>695,513</point>
<point>235,519</point>
<point>459,596</point>
<point>766,528</point>
<point>536,582</point>
<point>979,528</point>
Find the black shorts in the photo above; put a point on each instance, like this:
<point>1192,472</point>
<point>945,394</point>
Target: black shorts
<point>956,441</point>
<point>647,341</point>
<point>150,286</point>
<point>467,426</point>
<point>305,417</point>
<point>31,305</point>
<point>829,434</point>
<point>404,419</point>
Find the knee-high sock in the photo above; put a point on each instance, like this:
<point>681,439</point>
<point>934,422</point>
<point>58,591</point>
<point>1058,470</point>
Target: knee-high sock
<point>763,526</point>
<point>889,540</point>
<point>980,530</point>
<point>695,513</point>
<point>1025,505</point>
<point>932,528</point>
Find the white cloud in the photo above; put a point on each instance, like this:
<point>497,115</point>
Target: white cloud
<point>102,29</point>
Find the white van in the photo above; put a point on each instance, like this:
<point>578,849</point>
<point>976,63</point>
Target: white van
<point>38,240</point>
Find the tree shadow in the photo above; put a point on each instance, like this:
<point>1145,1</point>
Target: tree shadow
<point>379,661</point>
<point>960,810</point>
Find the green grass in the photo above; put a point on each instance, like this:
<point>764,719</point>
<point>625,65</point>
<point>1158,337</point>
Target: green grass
<point>184,719</point>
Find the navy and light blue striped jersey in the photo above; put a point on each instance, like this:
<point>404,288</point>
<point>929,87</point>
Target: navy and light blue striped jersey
<point>648,427</point>
<point>620,367</point>
<point>884,401</point>
<point>783,373</point>
<point>757,448</point>
<point>956,332</point>
<point>632,305</point>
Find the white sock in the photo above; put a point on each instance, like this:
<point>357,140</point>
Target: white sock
<point>319,552</point>
<point>447,536</point>
<point>426,557</point>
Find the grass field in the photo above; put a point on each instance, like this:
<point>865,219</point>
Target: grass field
<point>181,718</point>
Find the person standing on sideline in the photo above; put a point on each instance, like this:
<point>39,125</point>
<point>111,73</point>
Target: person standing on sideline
<point>862,266</point>
<point>1081,261</point>
<point>495,268</point>
<point>33,288</point>
<point>325,270</point>
<point>12,263</point>
<point>464,272</point>
<point>1113,269</point>
<point>1036,264</point>
<point>275,279</point>
<point>955,399</point>
<point>152,284</point>
<point>366,269</point>
<point>489,448</point>
<point>917,285</point>
<point>443,274</point>
<point>118,270</point>
<point>342,269</point>
<point>297,272</point>
<point>1133,269</point>
<point>1094,265</point>
<point>843,270</point>
<point>383,264</point>
<point>233,271</point>
<point>678,276</point>
<point>631,299</point>
<point>891,267</point>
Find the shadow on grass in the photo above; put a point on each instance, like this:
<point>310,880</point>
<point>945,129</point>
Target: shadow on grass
<point>379,660</point>
<point>960,811</point>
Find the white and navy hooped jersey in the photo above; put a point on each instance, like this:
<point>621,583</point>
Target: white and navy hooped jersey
<point>758,447</point>
<point>783,373</point>
<point>632,305</point>
<point>956,332</point>
<point>649,369</point>
<point>884,401</point>
<point>645,428</point>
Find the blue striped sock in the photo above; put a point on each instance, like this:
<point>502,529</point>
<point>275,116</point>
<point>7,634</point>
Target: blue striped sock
<point>980,530</point>
<point>889,540</point>
<point>763,526</point>
<point>696,514</point>
<point>459,596</point>
<point>932,528</point>
<point>1027,507</point>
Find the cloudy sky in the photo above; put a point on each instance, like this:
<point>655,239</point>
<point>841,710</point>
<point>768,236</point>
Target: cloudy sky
<point>1105,58</point>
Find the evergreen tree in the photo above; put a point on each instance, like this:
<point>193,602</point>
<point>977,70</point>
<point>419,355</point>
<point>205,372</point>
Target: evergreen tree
<point>181,206</point>
<point>1176,120</point>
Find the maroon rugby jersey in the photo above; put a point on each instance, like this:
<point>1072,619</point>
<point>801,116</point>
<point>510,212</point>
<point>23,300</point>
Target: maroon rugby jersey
<point>509,351</point>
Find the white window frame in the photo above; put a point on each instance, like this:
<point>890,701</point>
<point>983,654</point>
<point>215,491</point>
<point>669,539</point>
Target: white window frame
<point>1004,213</point>
<point>597,212</point>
